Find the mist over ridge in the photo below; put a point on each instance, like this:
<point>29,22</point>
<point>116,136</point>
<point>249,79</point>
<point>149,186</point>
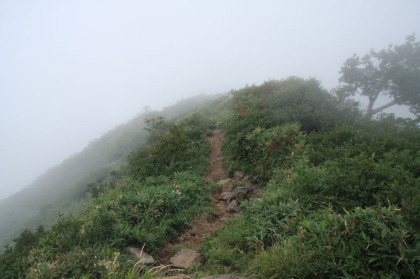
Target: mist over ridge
<point>71,71</point>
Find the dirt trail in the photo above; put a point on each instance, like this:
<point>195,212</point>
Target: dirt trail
<point>207,224</point>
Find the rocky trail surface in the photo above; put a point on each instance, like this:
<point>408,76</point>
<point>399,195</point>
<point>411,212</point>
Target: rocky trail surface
<point>225,208</point>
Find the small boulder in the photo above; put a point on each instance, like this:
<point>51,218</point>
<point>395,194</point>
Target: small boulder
<point>226,196</point>
<point>143,257</point>
<point>223,182</point>
<point>232,207</point>
<point>237,174</point>
<point>184,258</point>
<point>241,192</point>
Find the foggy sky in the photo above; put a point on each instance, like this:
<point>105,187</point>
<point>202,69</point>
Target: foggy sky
<point>72,70</point>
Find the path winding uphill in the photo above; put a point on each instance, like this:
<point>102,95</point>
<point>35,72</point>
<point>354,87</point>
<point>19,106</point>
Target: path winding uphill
<point>225,208</point>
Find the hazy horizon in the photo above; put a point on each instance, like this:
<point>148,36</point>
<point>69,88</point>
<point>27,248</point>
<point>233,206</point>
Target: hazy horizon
<point>72,71</point>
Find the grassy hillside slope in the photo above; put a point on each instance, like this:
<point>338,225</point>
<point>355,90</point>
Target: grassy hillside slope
<point>63,188</point>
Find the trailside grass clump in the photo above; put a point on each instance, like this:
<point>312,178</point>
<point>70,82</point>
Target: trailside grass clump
<point>369,243</point>
<point>146,214</point>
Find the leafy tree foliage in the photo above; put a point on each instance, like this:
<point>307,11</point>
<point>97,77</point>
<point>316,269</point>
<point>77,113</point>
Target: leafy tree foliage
<point>394,72</point>
<point>156,127</point>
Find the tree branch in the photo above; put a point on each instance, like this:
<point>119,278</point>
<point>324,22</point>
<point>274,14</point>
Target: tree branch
<point>390,104</point>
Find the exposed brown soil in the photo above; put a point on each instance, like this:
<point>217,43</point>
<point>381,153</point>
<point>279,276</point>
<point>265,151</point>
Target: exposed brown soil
<point>208,224</point>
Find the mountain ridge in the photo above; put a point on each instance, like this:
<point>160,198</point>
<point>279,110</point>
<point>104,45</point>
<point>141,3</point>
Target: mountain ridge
<point>339,195</point>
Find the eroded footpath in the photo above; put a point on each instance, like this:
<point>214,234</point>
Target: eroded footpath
<point>225,208</point>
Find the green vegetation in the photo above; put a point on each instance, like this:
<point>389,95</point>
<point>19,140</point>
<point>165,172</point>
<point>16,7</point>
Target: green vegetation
<point>62,189</point>
<point>341,199</point>
<point>146,208</point>
<point>340,196</point>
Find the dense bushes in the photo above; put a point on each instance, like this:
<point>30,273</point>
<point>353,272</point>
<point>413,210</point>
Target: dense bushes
<point>263,150</point>
<point>286,101</point>
<point>359,166</point>
<point>14,261</point>
<point>346,164</point>
<point>181,149</point>
<point>348,182</point>
<point>341,197</point>
<point>272,104</point>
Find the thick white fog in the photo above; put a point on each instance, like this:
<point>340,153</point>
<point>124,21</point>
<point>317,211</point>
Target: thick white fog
<point>71,70</point>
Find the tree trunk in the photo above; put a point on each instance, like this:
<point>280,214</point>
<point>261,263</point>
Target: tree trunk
<point>369,110</point>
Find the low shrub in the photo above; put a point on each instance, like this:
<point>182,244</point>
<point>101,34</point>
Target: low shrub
<point>264,150</point>
<point>174,152</point>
